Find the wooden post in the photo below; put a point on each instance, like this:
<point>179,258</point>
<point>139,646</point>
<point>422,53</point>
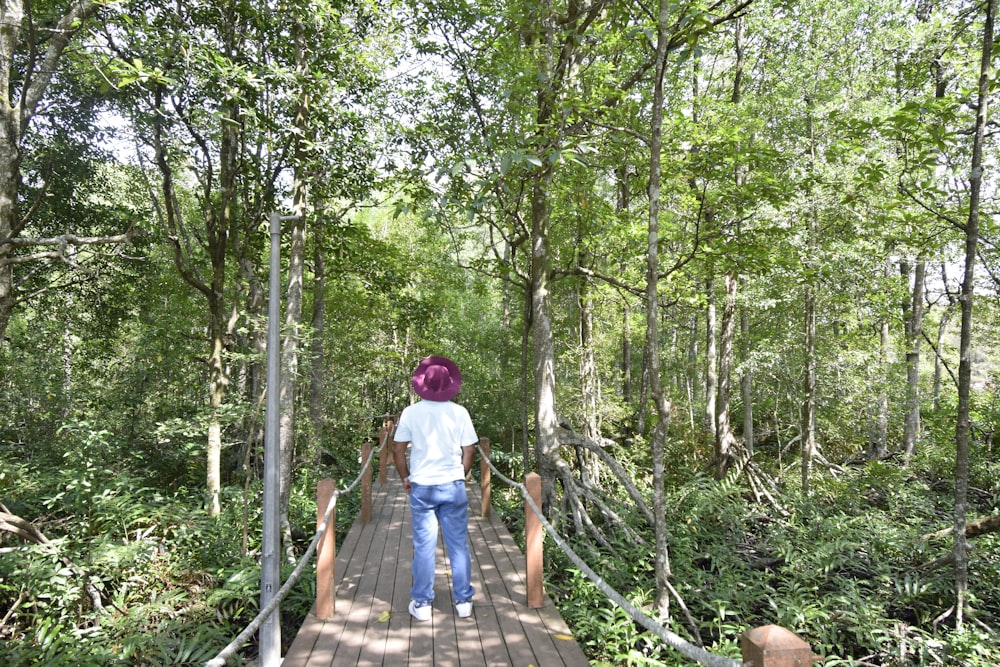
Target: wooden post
<point>774,646</point>
<point>484,476</point>
<point>326,552</point>
<point>383,452</point>
<point>366,485</point>
<point>533,541</point>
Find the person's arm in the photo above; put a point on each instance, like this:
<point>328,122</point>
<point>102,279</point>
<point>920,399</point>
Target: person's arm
<point>468,452</point>
<point>399,458</point>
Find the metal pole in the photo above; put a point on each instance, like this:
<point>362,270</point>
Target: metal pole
<point>270,573</point>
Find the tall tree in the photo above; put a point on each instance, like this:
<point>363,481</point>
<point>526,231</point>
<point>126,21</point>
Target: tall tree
<point>296,279</point>
<point>807,418</point>
<point>661,401</point>
<point>965,344</point>
<point>185,74</point>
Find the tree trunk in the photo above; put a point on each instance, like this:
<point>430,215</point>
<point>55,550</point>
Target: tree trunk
<point>526,337</point>
<point>725,441</point>
<point>692,370</point>
<point>975,528</point>
<point>746,383</point>
<point>652,353</point>
<point>938,362</point>
<point>254,371</point>
<point>293,302</point>
<point>216,397</point>
<point>543,343</point>
<point>626,367</point>
<point>219,224</point>
<point>914,333</point>
<point>589,380</point>
<point>317,353</point>
<point>505,292</point>
<point>808,416</point>
<point>878,446</point>
<point>622,206</point>
<point>556,47</point>
<point>961,548</point>
<point>711,342</point>
<point>290,365</point>
<point>724,438</point>
<point>808,427</point>
<point>219,217</point>
<point>10,184</point>
<point>711,360</point>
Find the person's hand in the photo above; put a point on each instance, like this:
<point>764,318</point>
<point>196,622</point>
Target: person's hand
<point>407,486</point>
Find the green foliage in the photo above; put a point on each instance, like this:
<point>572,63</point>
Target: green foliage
<point>172,584</point>
<point>609,635</point>
<point>844,568</point>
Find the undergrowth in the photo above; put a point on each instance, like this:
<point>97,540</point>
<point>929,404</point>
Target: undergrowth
<point>845,568</point>
<point>134,575</point>
<point>140,575</point>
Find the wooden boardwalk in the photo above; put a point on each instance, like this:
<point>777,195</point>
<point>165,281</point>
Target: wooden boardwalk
<point>371,623</point>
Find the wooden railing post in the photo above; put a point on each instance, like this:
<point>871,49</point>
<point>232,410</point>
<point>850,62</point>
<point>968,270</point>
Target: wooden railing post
<point>485,476</point>
<point>326,551</point>
<point>366,484</point>
<point>383,452</point>
<point>533,541</point>
<point>774,646</point>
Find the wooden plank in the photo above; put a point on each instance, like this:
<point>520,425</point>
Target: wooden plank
<point>351,562</point>
<point>540,634</point>
<point>359,616</point>
<point>398,642</point>
<point>473,633</point>
<point>322,653</point>
<point>304,641</point>
<point>373,646</point>
<point>503,595</point>
<point>445,637</point>
<point>487,630</point>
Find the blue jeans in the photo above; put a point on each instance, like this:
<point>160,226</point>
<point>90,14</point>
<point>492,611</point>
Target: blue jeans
<point>449,505</point>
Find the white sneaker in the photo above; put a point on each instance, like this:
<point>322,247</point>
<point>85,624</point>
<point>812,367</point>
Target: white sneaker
<point>421,613</point>
<point>464,609</point>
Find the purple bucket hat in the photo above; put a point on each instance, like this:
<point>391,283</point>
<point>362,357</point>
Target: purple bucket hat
<point>437,379</point>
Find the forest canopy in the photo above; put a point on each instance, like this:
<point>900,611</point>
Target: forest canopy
<point>726,275</point>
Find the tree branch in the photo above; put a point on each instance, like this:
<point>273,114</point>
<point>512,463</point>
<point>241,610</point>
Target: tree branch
<point>68,26</point>
<point>987,524</point>
<point>64,240</point>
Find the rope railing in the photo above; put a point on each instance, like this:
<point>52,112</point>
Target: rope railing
<point>675,641</point>
<point>241,639</point>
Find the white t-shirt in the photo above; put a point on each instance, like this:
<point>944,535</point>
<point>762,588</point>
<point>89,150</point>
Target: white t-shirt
<point>437,431</point>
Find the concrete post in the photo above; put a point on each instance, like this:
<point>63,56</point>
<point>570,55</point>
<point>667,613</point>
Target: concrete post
<point>774,646</point>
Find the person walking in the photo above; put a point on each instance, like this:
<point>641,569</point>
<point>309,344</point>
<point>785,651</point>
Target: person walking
<point>442,440</point>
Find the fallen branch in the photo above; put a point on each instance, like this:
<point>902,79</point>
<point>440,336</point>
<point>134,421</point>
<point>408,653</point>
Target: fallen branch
<point>975,528</point>
<point>24,529</point>
<point>931,565</point>
<point>29,532</point>
<point>567,437</point>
